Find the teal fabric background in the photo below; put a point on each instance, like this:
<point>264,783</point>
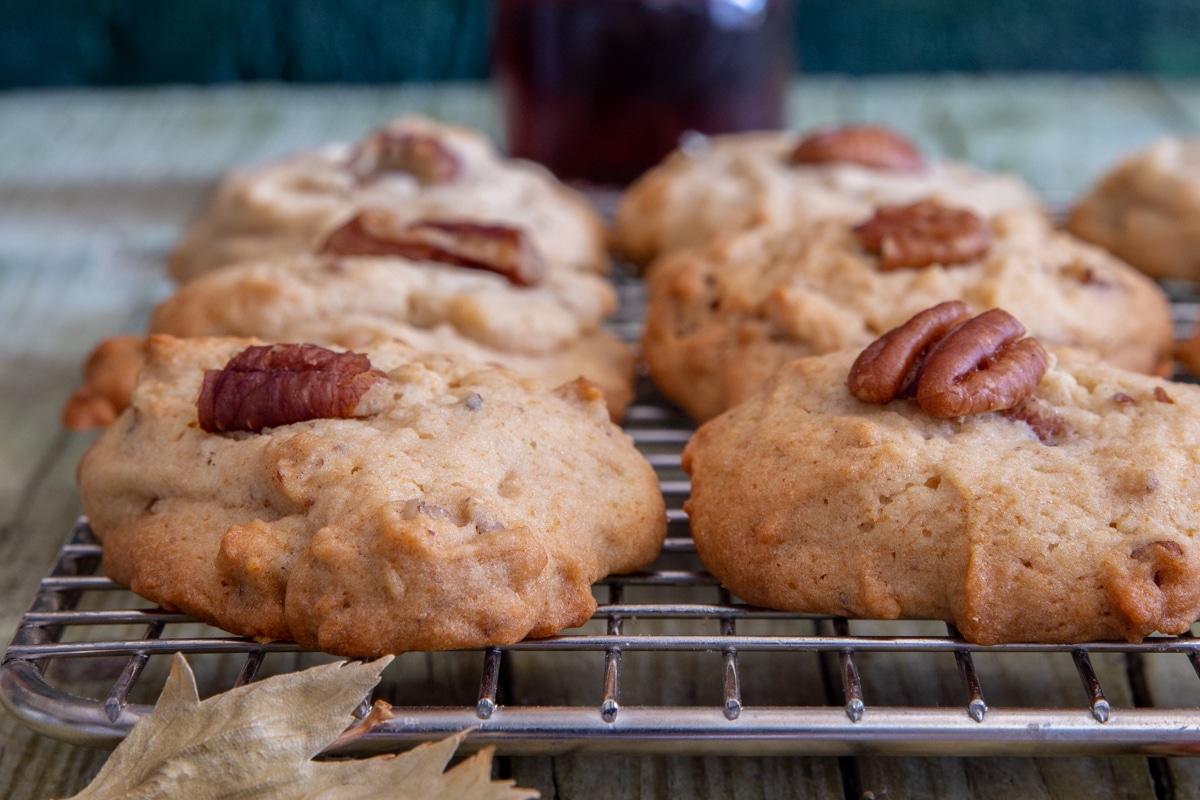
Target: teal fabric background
<point>124,42</point>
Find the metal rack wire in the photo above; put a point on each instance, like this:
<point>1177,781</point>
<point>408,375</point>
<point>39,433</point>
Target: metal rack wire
<point>79,616</point>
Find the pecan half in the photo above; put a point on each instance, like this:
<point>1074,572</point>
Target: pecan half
<point>501,249</point>
<point>954,365</point>
<point>422,155</point>
<point>982,365</point>
<point>866,145</point>
<point>890,365</point>
<point>265,386</point>
<point>925,233</point>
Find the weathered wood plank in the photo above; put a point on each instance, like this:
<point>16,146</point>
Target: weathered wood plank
<point>675,679</point>
<point>1009,777</point>
<point>1169,680</point>
<point>651,778</point>
<point>1007,680</point>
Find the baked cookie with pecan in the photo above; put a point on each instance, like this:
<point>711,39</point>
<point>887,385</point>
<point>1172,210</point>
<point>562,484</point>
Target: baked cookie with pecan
<point>1147,210</point>
<point>481,291</point>
<point>739,181</point>
<point>365,502</point>
<point>413,167</point>
<point>723,317</point>
<point>1021,497</point>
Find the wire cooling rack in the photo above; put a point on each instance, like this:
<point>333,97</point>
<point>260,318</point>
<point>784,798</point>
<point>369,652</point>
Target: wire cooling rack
<point>832,689</point>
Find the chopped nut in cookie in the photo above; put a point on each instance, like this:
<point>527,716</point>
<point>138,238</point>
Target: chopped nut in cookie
<point>1149,588</point>
<point>501,249</point>
<point>1045,422</point>
<point>870,146</point>
<point>265,386</point>
<point>925,233</point>
<point>1088,275</point>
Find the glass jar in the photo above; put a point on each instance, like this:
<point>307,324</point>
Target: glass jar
<point>600,90</point>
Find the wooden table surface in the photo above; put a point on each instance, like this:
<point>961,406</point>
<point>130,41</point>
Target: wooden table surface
<point>95,187</point>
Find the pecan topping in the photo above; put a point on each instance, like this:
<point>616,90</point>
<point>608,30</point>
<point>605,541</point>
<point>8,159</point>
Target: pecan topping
<point>925,233</point>
<point>958,367</point>
<point>269,385</point>
<point>501,249</point>
<point>866,145</point>
<point>889,367</point>
<point>983,365</point>
<point>422,155</point>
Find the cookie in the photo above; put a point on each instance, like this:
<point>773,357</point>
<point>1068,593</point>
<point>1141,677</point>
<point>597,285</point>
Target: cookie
<point>370,504</point>
<point>550,330</point>
<point>413,167</point>
<point>740,181</point>
<point>108,377</point>
<point>1147,210</point>
<point>1067,518</point>
<point>723,317</point>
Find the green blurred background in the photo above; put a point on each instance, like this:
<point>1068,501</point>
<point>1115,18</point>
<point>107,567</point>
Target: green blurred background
<point>129,42</point>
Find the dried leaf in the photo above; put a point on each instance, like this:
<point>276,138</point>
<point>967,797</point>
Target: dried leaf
<point>258,741</point>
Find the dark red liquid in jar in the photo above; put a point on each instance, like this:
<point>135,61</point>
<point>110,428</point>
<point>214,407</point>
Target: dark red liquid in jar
<point>600,90</point>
